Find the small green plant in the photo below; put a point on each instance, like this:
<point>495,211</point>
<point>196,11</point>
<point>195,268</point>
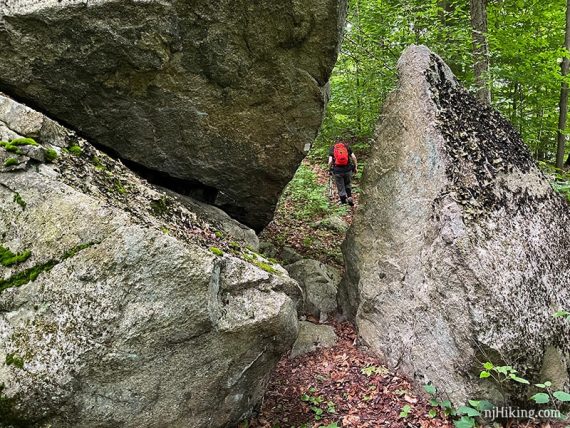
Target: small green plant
<point>11,162</point>
<point>216,251</point>
<point>405,412</point>
<point>309,196</point>
<point>14,360</point>
<point>75,150</point>
<point>374,370</point>
<point>8,258</point>
<point>219,234</point>
<point>464,415</point>
<point>549,396</point>
<point>18,199</point>
<point>501,374</point>
<point>50,155</point>
<point>317,403</point>
<point>23,142</point>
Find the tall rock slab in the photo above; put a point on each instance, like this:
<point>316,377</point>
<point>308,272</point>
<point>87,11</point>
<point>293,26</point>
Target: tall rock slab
<point>115,307</point>
<point>227,95</point>
<point>460,253</point>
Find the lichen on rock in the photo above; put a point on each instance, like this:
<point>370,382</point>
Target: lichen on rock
<point>459,253</point>
<point>115,313</point>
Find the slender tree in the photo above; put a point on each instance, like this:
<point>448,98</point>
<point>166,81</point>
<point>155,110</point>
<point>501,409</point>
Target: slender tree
<point>564,97</point>
<point>480,49</point>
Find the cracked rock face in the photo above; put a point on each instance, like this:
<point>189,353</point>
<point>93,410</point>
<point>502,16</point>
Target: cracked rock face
<point>460,253</point>
<point>227,94</point>
<point>113,310</point>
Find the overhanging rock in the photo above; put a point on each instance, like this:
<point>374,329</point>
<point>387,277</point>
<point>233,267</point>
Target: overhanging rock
<point>460,253</point>
<point>225,94</point>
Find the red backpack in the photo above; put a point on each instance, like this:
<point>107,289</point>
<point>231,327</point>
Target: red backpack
<point>340,153</point>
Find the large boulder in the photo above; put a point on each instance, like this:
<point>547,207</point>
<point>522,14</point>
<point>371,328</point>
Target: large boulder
<point>227,95</point>
<point>319,283</point>
<point>118,305</point>
<point>460,253</point>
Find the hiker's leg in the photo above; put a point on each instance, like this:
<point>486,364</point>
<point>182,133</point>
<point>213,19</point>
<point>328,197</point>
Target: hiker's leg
<point>348,188</point>
<point>339,180</point>
<point>347,184</point>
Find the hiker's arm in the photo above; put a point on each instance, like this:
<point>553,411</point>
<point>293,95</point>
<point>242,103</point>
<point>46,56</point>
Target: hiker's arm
<point>330,161</point>
<point>353,156</point>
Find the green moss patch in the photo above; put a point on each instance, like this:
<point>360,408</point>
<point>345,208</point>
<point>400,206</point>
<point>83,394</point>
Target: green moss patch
<point>8,258</point>
<point>216,251</point>
<point>18,199</point>
<point>50,155</point>
<point>32,273</point>
<point>23,142</point>
<point>11,162</point>
<point>75,150</point>
<point>14,360</point>
<point>9,147</point>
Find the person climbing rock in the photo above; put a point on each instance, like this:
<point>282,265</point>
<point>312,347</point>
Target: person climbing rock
<point>342,164</point>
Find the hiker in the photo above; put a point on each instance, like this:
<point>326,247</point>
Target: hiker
<point>342,164</point>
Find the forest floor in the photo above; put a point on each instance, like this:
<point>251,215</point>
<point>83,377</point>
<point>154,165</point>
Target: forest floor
<point>345,385</point>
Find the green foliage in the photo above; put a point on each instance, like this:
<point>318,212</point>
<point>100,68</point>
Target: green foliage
<point>50,155</point>
<point>18,199</point>
<point>216,251</point>
<point>310,196</point>
<point>562,314</point>
<point>501,373</point>
<point>11,162</point>
<point>405,412</point>
<point>8,258</point>
<point>23,142</point>
<point>525,41</point>
<point>317,404</point>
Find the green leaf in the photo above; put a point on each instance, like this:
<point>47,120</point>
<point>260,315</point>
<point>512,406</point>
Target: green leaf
<point>484,374</point>
<point>562,396</point>
<point>446,404</point>
<point>485,405</point>
<point>488,366</point>
<point>562,314</point>
<point>432,413</point>
<point>519,379</point>
<point>469,411</point>
<point>464,422</point>
<point>540,398</point>
<point>474,403</point>
<point>430,389</point>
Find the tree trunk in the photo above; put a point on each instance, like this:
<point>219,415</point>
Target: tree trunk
<point>480,49</point>
<point>564,98</point>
